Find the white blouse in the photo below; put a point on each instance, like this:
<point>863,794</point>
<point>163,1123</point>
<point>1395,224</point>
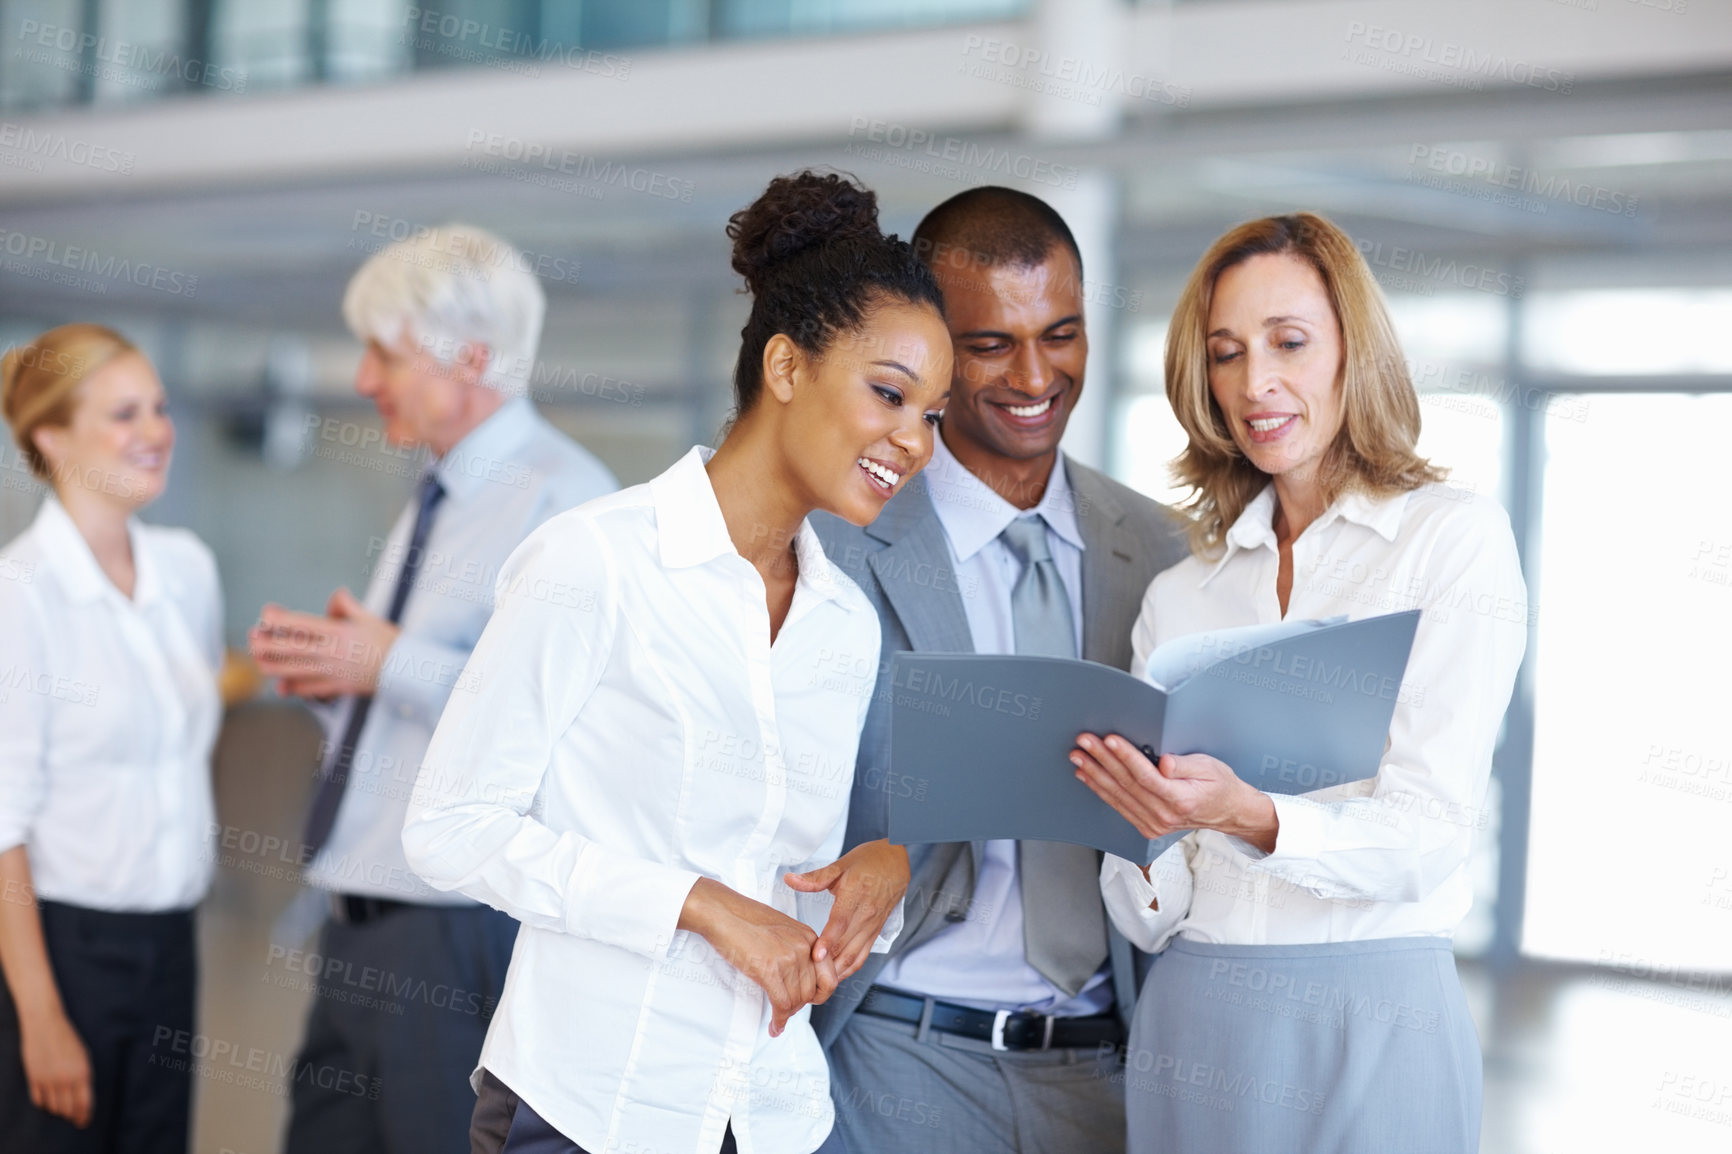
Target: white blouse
<point>624,727</point>
<point>1387,856</point>
<point>108,713</point>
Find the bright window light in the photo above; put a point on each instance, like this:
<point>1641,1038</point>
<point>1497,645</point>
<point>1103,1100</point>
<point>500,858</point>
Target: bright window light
<point>1469,327</point>
<point>1632,790</point>
<point>1630,331</point>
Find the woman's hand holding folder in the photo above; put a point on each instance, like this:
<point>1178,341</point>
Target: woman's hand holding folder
<point>1178,791</point>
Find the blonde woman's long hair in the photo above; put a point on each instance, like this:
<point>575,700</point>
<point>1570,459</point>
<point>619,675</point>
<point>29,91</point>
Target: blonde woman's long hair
<point>1374,450</point>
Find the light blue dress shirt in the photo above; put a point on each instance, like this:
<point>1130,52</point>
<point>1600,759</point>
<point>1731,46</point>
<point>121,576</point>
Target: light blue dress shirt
<point>979,961</point>
<point>512,472</point>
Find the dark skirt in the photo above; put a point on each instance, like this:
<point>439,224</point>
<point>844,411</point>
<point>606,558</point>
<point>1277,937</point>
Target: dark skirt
<point>1343,1048</point>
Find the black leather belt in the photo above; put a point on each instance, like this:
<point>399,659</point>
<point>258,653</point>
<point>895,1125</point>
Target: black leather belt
<point>1002,1029</point>
<point>354,910</point>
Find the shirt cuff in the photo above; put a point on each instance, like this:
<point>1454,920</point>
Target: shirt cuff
<point>1300,837</point>
<point>887,935</point>
<point>1127,894</point>
<point>416,678</point>
<point>626,901</point>
<point>1123,878</point>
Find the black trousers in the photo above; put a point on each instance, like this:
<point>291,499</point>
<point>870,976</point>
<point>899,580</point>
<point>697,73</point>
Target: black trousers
<point>128,982</point>
<point>504,1124</point>
<point>400,1010</point>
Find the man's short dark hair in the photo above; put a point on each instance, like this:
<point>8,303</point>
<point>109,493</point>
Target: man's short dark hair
<point>992,226</point>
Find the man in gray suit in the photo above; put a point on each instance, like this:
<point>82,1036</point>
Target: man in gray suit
<point>994,1023</point>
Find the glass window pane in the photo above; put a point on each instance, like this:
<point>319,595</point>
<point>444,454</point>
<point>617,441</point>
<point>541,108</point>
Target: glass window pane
<point>1469,327</point>
<point>1632,794</point>
<point>1630,331</point>
<point>367,40</point>
<point>42,67</point>
<point>142,53</point>
<point>1148,437</point>
<point>263,40</point>
<point>1463,432</point>
<point>629,24</point>
<point>782,17</point>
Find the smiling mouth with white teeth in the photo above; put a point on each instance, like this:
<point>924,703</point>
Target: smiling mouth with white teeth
<point>1038,409</point>
<point>1272,428</point>
<point>881,477</point>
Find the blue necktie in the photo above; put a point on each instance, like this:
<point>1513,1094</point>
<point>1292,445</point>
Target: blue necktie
<point>335,779</point>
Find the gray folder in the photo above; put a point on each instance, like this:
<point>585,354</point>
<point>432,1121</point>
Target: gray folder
<point>980,744</point>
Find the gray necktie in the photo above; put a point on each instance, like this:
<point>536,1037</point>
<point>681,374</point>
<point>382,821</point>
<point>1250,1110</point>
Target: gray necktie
<point>1064,929</point>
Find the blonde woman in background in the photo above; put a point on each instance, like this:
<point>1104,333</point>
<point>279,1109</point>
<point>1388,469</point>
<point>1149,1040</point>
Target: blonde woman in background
<point>111,631</point>
<point>1304,993</point>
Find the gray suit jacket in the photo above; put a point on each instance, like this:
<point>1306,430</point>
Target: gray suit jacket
<point>903,563</point>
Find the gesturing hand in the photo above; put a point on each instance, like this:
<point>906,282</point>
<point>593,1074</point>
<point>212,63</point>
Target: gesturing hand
<point>57,1067</point>
<point>313,656</point>
<point>866,882</point>
<point>1180,791</point>
<point>764,944</point>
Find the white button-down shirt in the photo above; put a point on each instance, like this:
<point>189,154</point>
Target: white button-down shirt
<point>512,472</point>
<point>980,961</point>
<point>624,727</point>
<point>1388,856</point>
<point>108,712</point>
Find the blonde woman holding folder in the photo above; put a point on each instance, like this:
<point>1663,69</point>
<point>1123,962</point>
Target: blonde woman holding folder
<point>1305,996</point>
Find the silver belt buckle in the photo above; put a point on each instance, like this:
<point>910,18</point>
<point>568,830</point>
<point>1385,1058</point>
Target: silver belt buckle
<point>998,1021</point>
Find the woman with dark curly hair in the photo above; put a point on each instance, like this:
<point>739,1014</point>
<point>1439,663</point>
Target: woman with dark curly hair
<point>651,769</point>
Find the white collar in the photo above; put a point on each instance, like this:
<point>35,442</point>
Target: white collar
<point>973,514</point>
<point>485,451</point>
<point>68,554</point>
<point>1255,526</point>
<point>690,528</point>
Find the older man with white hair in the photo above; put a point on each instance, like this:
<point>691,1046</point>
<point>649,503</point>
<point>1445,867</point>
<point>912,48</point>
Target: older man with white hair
<point>407,976</point>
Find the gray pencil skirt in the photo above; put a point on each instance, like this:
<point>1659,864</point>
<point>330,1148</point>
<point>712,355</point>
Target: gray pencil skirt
<point>1342,1048</point>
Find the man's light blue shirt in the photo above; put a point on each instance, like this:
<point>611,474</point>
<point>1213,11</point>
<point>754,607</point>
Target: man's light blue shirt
<point>512,472</point>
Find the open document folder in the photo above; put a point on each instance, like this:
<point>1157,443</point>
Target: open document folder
<point>980,745</point>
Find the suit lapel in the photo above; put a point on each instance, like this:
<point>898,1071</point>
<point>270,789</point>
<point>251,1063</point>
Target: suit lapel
<point>1109,577</point>
<point>915,572</point>
<point>917,576</point>
<point>1108,565</point>
<point>940,888</point>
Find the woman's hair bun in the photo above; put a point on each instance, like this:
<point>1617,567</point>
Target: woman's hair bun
<point>797,213</point>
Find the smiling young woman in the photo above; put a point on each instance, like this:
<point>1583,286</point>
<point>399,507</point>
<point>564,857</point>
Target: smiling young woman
<point>113,640</point>
<point>671,878</point>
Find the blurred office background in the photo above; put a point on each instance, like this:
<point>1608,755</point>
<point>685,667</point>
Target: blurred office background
<point>1543,187</point>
